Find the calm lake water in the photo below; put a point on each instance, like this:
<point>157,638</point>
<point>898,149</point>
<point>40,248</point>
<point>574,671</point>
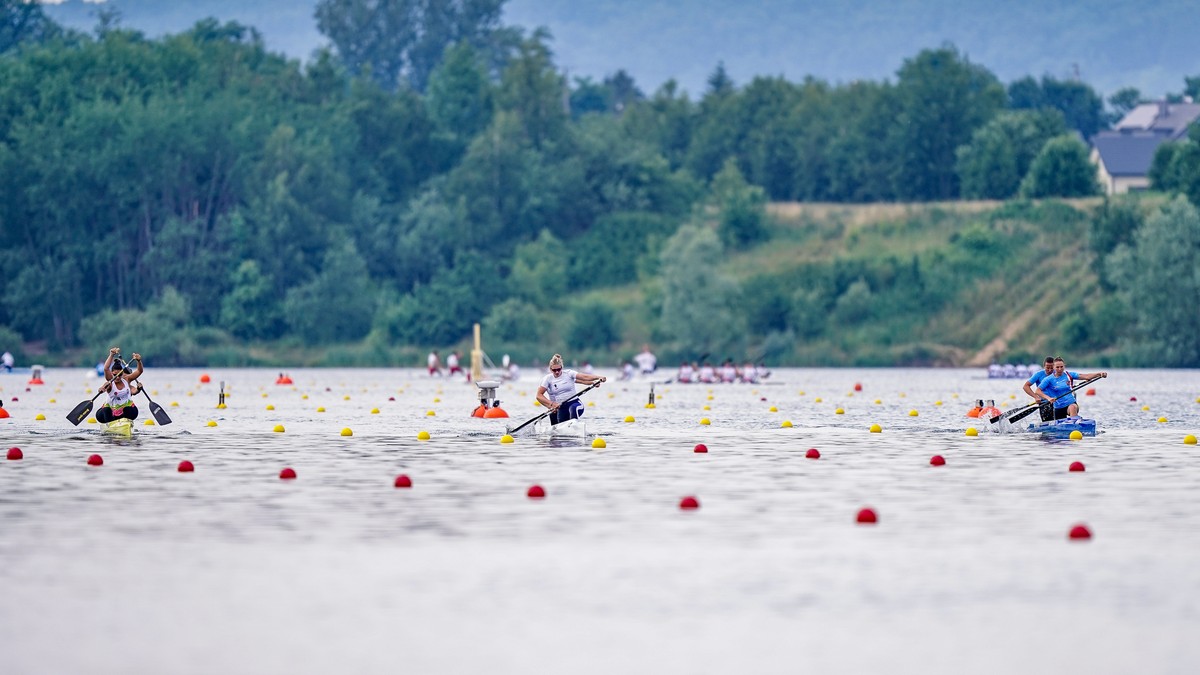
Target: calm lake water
<point>133,567</point>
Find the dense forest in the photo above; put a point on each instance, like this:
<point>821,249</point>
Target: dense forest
<point>212,202</point>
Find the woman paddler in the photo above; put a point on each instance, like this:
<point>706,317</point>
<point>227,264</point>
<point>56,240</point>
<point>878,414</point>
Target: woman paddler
<point>559,386</point>
<point>120,388</point>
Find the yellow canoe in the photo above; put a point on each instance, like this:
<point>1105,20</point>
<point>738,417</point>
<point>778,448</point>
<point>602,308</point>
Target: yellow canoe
<point>121,427</point>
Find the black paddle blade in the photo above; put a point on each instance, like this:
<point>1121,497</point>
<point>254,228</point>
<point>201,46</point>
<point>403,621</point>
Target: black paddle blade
<point>80,412</point>
<point>1022,415</point>
<point>160,415</point>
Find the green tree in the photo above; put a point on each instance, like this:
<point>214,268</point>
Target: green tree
<point>942,98</point>
<point>338,304</point>
<point>992,165</point>
<point>251,309</point>
<point>460,98</point>
<point>699,301</point>
<point>515,321</point>
<point>539,271</point>
<point>1160,276</point>
<point>1080,105</point>
<point>1124,100</point>
<point>743,208</point>
<point>1061,169</point>
<point>23,22</point>
<point>532,90</point>
<point>592,324</point>
<point>398,41</point>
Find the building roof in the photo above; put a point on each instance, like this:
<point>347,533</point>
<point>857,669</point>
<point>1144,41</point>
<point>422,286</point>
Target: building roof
<point>1127,153</point>
<point>1169,119</point>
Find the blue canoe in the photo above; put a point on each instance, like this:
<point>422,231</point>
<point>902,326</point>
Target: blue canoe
<point>1063,428</point>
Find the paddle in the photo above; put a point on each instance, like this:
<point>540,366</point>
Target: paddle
<point>577,395</point>
<point>1018,414</point>
<point>160,415</point>
<point>81,411</point>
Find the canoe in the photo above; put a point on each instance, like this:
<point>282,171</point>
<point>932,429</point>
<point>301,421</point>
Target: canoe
<point>1063,428</point>
<point>121,427</point>
<point>575,428</point>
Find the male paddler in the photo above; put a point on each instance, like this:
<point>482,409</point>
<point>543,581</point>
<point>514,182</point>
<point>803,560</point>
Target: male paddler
<point>1057,386</point>
<point>1045,409</point>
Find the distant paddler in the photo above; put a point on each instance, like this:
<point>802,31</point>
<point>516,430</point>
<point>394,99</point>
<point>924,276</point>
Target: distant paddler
<point>557,391</point>
<point>120,388</point>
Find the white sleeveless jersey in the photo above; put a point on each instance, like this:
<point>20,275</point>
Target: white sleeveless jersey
<point>560,388</point>
<point>118,397</point>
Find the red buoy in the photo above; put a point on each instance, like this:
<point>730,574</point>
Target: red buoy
<point>700,447</point>
<point>937,460</point>
<point>813,453</point>
<point>15,453</point>
<point>1076,466</point>
<point>288,473</point>
<point>205,379</point>
<point>15,399</point>
<point>186,467</point>
<point>95,460</point>
<point>1080,532</point>
<point>1090,392</point>
<point>536,492</point>
<point>403,481</point>
<point>689,503</point>
<point>3,413</point>
<point>391,398</point>
<point>867,516</point>
<point>1131,398</point>
<point>857,386</point>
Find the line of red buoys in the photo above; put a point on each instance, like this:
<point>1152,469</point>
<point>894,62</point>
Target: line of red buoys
<point>937,460</point>
<point>867,516</point>
<point>1080,532</point>
<point>813,453</point>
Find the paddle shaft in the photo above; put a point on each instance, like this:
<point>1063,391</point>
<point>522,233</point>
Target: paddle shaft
<point>1016,417</point>
<point>577,395</point>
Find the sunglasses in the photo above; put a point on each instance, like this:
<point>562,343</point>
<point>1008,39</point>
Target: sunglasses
<point>556,370</point>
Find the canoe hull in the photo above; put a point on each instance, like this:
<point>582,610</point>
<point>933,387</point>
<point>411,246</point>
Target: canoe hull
<point>1063,428</point>
<point>120,427</point>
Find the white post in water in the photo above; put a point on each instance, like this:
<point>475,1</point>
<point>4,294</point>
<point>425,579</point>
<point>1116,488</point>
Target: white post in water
<point>477,358</point>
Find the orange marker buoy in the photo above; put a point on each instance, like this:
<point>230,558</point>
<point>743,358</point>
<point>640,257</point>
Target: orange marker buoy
<point>95,460</point>
<point>857,386</point>
<point>867,516</point>
<point>495,412</point>
<point>186,467</point>
<point>480,412</point>
<point>288,473</point>
<point>1076,466</point>
<point>403,481</point>
<point>1090,392</point>
<point>15,453</point>
<point>937,460</point>
<point>205,379</point>
<point>700,447</point>
<point>536,492</point>
<point>689,503</point>
<point>813,453</point>
<point>3,413</point>
<point>1080,532</point>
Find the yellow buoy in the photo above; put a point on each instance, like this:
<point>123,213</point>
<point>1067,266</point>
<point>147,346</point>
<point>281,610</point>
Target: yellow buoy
<point>801,392</point>
<point>650,406</point>
<point>278,429</point>
<point>321,409</point>
<point>708,407</point>
<point>599,443</point>
<point>264,395</point>
<point>423,436</point>
<point>304,397</point>
<point>437,400</point>
<point>704,421</point>
<point>1145,408</point>
<point>710,397</point>
<point>611,395</point>
<point>506,439</point>
<point>937,402</point>
<point>347,432</point>
<point>174,404</point>
<point>1077,435</point>
<point>148,423</point>
<point>40,416</point>
<point>538,404</point>
<point>53,401</point>
<point>270,407</point>
<point>629,419</point>
<point>878,402</point>
<point>91,420</point>
<point>1189,440</point>
<point>839,411</point>
<point>773,409</point>
<point>212,423</point>
<point>431,414</point>
<point>913,413</point>
<point>1162,420</point>
<point>818,400</point>
<point>221,406</point>
<point>374,411</point>
<point>875,429</point>
<point>972,431</point>
<point>591,404</point>
<point>787,424</point>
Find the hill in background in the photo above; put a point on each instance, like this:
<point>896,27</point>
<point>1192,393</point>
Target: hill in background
<point>1109,43</point>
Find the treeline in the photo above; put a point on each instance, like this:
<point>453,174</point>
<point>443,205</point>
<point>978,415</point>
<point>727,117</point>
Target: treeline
<point>195,193</point>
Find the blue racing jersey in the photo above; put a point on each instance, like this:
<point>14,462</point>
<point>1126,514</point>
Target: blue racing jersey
<point>1037,377</point>
<point>1055,386</point>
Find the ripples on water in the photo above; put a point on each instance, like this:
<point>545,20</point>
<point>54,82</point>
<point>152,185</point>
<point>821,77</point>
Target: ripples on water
<point>229,569</point>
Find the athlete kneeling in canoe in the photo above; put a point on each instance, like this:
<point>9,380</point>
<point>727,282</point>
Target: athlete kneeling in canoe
<point>120,389</point>
<point>1057,386</point>
<point>559,386</point>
